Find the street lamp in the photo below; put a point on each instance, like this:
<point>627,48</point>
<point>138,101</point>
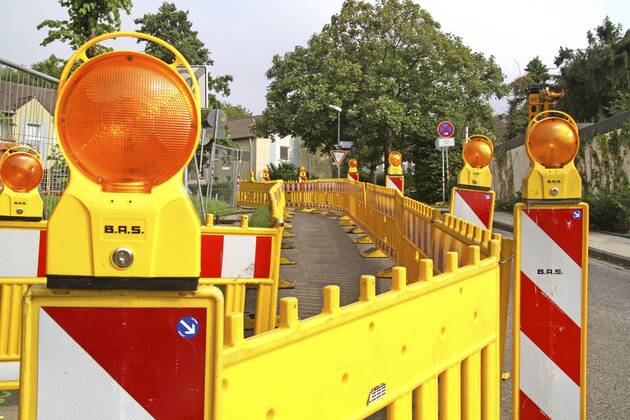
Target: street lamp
<point>338,109</point>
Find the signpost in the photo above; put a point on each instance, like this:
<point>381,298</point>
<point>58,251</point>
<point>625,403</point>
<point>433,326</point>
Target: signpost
<point>338,157</point>
<point>446,131</point>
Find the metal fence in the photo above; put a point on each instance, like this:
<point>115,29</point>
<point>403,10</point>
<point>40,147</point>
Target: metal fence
<point>27,107</point>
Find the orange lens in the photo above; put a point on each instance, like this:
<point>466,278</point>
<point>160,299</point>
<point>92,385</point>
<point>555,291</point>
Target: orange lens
<point>22,172</point>
<point>553,142</point>
<point>395,158</point>
<point>478,152</point>
<point>352,163</point>
<point>128,121</point>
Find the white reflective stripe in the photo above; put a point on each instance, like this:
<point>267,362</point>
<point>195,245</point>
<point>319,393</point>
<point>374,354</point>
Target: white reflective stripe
<point>546,384</point>
<point>390,184</point>
<point>239,254</point>
<point>9,371</point>
<point>540,252</point>
<point>72,385</point>
<point>463,210</point>
<point>19,252</point>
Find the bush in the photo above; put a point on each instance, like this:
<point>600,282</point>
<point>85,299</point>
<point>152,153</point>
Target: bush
<point>610,210</point>
<point>507,204</point>
<point>261,217</point>
<point>285,171</point>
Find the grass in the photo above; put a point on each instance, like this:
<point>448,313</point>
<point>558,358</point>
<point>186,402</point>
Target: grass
<point>261,217</point>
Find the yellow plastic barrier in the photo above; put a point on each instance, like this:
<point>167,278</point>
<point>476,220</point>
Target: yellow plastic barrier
<point>386,351</point>
<point>237,256</point>
<point>256,194</point>
<point>22,252</point>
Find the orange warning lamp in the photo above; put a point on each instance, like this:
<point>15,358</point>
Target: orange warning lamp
<point>21,172</point>
<point>353,171</point>
<point>395,160</point>
<point>128,124</point>
<point>265,173</point>
<point>252,177</point>
<point>303,176</point>
<point>352,163</point>
<point>552,142</point>
<point>477,153</point>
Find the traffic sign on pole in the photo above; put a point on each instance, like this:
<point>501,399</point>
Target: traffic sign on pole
<point>121,354</point>
<point>446,129</point>
<point>338,156</point>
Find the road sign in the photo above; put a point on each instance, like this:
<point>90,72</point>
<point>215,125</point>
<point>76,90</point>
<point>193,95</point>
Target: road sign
<point>202,80</point>
<point>338,156</point>
<point>442,142</point>
<point>218,118</point>
<point>445,129</point>
<point>188,327</point>
<point>346,144</point>
<point>109,354</point>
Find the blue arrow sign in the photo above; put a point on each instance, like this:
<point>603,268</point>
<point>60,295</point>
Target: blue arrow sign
<point>188,327</point>
<point>576,214</point>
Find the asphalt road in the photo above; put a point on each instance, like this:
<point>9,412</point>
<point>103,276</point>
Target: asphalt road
<point>608,330</point>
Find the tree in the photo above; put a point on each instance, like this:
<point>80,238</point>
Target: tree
<point>86,20</point>
<point>596,76</point>
<point>234,111</point>
<point>285,171</point>
<point>517,115</point>
<point>172,25</point>
<point>393,73</point>
<point>52,66</point>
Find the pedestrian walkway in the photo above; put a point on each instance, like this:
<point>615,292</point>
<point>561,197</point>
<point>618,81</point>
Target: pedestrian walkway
<point>613,248</point>
<point>325,255</point>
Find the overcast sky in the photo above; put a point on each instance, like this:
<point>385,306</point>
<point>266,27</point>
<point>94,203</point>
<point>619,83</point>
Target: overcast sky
<point>243,35</point>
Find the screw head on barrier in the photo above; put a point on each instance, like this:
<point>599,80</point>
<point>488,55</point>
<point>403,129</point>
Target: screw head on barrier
<point>122,257</point>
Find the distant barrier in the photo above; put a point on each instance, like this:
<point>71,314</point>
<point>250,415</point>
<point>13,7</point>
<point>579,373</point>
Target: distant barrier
<point>404,229</point>
<point>256,194</point>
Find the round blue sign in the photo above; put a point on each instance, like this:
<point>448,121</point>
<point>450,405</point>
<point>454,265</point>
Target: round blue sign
<point>576,213</point>
<point>188,327</point>
<point>446,129</point>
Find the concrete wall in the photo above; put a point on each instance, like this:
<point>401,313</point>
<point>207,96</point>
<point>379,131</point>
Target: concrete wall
<point>603,162</point>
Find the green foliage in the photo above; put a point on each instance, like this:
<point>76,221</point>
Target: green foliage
<point>610,209</point>
<point>507,203</point>
<point>285,171</point>
<point>52,66</point>
<point>213,206</point>
<point>86,20</point>
<point>594,77</point>
<point>56,157</point>
<point>172,25</point>
<point>517,115</point>
<point>235,111</point>
<point>394,74</point>
<point>261,217</point>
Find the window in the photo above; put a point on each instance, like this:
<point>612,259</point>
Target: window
<point>284,153</point>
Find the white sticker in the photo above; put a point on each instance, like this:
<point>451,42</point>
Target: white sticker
<point>376,393</point>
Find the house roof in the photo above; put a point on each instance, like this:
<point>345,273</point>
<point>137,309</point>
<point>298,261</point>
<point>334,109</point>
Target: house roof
<point>15,95</point>
<point>241,128</point>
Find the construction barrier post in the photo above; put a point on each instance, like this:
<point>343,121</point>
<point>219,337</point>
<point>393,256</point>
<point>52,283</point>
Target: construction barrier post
<point>551,277</point>
<point>395,178</point>
<point>472,200</point>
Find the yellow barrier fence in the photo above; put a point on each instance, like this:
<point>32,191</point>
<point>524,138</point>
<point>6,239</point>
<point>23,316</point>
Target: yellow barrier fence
<point>387,351</point>
<point>256,194</point>
<point>22,256</point>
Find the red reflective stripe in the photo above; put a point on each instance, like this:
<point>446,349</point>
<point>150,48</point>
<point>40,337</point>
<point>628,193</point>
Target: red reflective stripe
<point>529,410</point>
<point>562,227</point>
<point>550,329</point>
<point>41,258</point>
<point>262,261</point>
<point>211,256</point>
<point>478,203</point>
<point>141,350</point>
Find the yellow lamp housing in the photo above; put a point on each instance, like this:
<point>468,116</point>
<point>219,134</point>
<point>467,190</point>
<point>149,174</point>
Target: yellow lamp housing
<point>552,142</point>
<point>127,124</point>
<point>21,172</point>
<point>477,153</point>
<point>395,162</point>
<point>303,176</point>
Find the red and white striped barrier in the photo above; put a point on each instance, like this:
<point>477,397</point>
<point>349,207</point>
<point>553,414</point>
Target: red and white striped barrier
<point>23,253</point>
<point>551,257</point>
<point>473,206</point>
<point>396,182</point>
<point>353,176</point>
<point>236,256</point>
<point>113,362</point>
